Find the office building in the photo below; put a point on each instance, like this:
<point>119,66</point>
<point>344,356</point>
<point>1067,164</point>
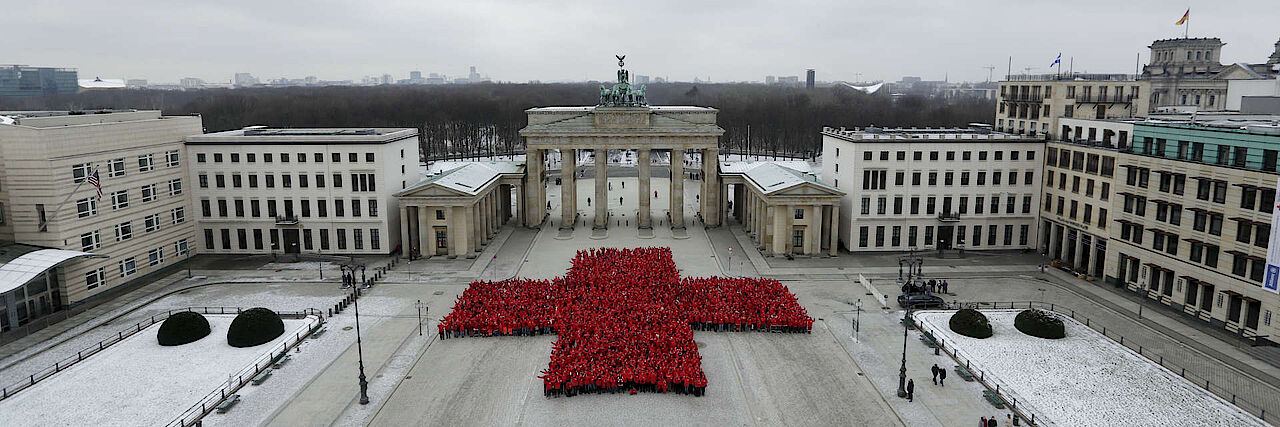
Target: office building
<point>808,79</point>
<point>329,191</point>
<point>1032,104</point>
<point>245,79</point>
<point>84,245</point>
<point>934,188</point>
<point>1079,180</point>
<point>23,80</point>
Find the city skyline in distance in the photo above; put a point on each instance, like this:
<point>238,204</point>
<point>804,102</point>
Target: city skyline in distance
<point>576,40</point>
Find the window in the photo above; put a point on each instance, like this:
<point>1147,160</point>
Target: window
<point>368,157</point>
<point>120,199</point>
<point>124,231</point>
<point>355,207</point>
<point>146,163</point>
<point>357,238</point>
<point>179,214</point>
<point>220,181</point>
<point>148,193</point>
<point>1026,204</point>
<point>879,236</point>
<point>269,180</point>
<point>200,158</point>
<point>302,157</point>
<point>342,239</point>
<point>338,209</point>
<point>337,157</point>
<point>175,186</point>
<point>152,222</point>
<point>222,207</point>
<point>286,180</point>
<point>86,207</point>
<point>80,172</point>
<point>374,242</point>
<point>306,232</point>
<point>115,167</point>
<point>896,237</point>
<point>203,180</point>
<point>155,256</point>
<point>284,157</point>
<point>302,180</point>
<point>319,180</point>
<point>95,278</point>
<point>257,238</point>
<point>266,157</point>
<point>933,156</point>
<point>181,248</point>
<point>236,181</point>
<point>863,234</point>
<point>322,209</point>
<point>353,157</point>
<point>90,241</point>
<point>373,207</point>
<point>205,209</point>
<point>208,239</point>
<point>318,158</point>
<point>217,157</point>
<point>917,155</point>
<point>337,179</point>
<point>238,204</point>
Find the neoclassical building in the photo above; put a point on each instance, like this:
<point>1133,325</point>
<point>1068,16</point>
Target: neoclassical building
<point>454,213</point>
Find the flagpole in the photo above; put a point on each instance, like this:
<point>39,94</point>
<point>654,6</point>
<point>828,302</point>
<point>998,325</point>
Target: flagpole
<point>57,208</point>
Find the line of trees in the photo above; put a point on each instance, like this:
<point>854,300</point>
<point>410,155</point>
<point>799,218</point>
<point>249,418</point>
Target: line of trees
<point>483,119</point>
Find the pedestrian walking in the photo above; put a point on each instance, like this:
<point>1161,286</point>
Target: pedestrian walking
<point>911,390</point>
<point>588,202</point>
<point>619,200</point>
<point>983,423</point>
<point>944,287</point>
<point>942,377</point>
<point>1008,419</point>
<point>991,422</point>
<point>655,194</point>
<point>934,369</point>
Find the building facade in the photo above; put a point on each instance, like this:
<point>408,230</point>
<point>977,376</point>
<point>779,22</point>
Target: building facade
<point>1188,74</point>
<point>1075,219</point>
<point>785,211</point>
<point>329,191</point>
<point>455,213</point>
<point>141,222</point>
<point>1192,219</point>
<point>23,80</point>
<point>1032,105</point>
<point>934,188</point>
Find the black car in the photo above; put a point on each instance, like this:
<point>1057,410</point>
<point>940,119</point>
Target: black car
<point>920,301</point>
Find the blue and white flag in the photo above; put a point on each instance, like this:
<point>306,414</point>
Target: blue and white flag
<point>1057,61</point>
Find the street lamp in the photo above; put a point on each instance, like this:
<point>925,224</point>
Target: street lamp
<point>419,304</point>
<point>857,322</point>
<point>902,371</point>
<point>364,384</point>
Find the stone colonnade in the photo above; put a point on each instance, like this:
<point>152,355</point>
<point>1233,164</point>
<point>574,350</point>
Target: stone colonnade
<point>457,226</point>
<point>783,224</point>
<point>1077,249</point>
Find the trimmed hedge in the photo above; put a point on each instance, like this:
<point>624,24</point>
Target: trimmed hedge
<point>182,328</point>
<point>1039,323</point>
<point>255,326</point>
<point>970,323</point>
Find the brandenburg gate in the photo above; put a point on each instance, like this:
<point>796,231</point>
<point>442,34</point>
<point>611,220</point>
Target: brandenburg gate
<point>622,120</point>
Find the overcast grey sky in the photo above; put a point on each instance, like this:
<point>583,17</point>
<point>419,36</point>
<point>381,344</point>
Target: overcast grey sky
<point>552,40</point>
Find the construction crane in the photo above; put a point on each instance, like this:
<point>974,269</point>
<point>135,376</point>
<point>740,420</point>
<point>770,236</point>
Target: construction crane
<point>990,69</point>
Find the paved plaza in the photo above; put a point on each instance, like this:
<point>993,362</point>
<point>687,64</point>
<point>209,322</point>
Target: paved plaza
<point>824,378</point>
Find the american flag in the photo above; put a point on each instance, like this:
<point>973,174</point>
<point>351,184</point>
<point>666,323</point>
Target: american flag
<point>93,180</point>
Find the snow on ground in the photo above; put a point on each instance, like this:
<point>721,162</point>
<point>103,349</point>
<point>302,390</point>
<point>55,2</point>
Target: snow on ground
<point>302,265</point>
<point>1085,378</point>
<point>137,381</point>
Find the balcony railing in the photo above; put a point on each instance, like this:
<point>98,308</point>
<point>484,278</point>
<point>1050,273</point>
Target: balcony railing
<point>1113,99</point>
<point>948,216</point>
<point>287,220</point>
<point>1035,98</point>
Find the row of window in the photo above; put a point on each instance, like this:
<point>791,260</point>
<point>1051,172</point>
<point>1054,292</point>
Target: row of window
<point>359,181</point>
<point>1084,92</point>
<point>1200,295</point>
<point>950,155</point>
<point>1080,161</point>
<point>244,238</point>
<point>129,266</point>
<point>1089,185</point>
<point>284,157</point>
<point>961,205</point>
<point>285,208</point>
<point>878,179</point>
<point>91,240</point>
<point>88,206</point>
<point>1219,154</point>
<point>116,167</point>
<point>895,238</point>
<point>1064,211</point>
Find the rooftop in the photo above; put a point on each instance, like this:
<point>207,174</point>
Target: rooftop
<point>53,119</point>
<point>773,177</point>
<point>655,108</point>
<point>1071,77</point>
<point>469,177</point>
<point>976,132</point>
<point>266,135</point>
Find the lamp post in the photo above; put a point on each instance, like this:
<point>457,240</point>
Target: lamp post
<point>362,277</point>
<point>188,262</point>
<point>857,322</point>
<point>364,385</point>
<point>419,304</point>
<point>902,371</point>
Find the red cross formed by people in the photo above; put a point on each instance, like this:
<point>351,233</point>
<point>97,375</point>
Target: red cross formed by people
<point>624,319</point>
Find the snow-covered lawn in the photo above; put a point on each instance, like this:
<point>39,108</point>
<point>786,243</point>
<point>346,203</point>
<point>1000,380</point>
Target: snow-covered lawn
<point>137,381</point>
<point>1085,378</point>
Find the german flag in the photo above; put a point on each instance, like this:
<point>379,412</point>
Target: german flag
<point>1185,17</point>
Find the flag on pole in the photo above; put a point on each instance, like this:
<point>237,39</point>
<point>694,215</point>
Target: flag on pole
<point>93,180</point>
<point>1185,17</point>
<point>1057,61</point>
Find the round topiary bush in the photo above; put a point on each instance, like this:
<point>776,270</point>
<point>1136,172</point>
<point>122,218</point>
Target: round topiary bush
<point>254,326</point>
<point>181,328</point>
<point>1039,323</point>
<point>970,323</point>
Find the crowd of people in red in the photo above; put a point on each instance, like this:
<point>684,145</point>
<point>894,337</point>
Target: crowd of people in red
<point>623,319</point>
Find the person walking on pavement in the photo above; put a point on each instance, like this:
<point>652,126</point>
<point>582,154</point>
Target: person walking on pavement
<point>983,422</point>
<point>911,390</point>
<point>942,377</point>
<point>588,202</point>
<point>934,369</point>
<point>944,286</point>
<point>991,422</point>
